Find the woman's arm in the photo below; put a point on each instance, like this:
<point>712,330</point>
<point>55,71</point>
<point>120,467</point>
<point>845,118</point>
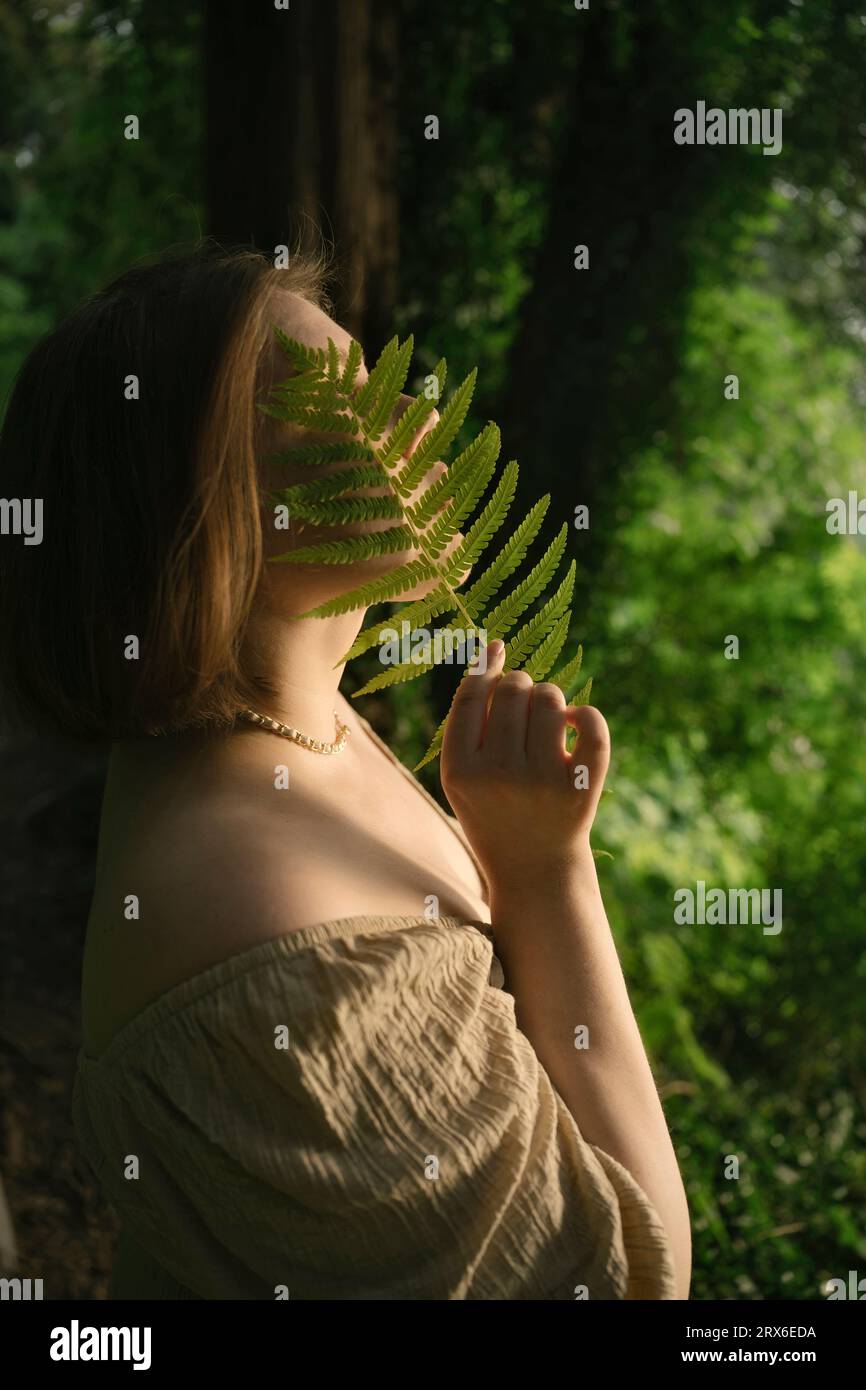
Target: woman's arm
<point>512,784</point>
<point>561,965</point>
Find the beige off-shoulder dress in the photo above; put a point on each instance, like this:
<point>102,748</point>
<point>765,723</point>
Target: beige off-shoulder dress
<point>351,1112</point>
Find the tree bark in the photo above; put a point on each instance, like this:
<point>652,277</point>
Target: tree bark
<point>594,355</point>
<point>300,145</point>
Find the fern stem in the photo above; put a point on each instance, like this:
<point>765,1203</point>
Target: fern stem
<point>417,534</point>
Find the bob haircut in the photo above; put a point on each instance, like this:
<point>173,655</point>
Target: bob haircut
<point>151,497</point>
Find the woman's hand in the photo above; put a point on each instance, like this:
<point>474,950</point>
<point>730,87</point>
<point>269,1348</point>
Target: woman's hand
<point>526,805</point>
<point>527,811</point>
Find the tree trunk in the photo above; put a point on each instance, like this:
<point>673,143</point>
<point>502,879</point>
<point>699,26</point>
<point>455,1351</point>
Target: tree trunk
<point>594,355</point>
<point>301,144</point>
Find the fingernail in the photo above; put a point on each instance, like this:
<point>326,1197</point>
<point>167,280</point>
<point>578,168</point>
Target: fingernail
<point>495,648</point>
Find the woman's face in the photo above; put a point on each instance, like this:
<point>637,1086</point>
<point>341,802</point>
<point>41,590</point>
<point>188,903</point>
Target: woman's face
<point>303,586</point>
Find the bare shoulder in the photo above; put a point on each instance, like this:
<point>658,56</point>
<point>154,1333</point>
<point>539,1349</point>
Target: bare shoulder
<point>203,883</point>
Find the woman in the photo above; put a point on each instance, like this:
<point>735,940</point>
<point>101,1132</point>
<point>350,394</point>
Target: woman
<point>336,1044</point>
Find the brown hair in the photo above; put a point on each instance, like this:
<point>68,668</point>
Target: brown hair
<point>151,505</point>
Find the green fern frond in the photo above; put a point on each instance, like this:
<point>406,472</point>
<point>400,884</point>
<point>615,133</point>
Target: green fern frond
<point>373,479</point>
<point>310,418</point>
<point>435,747</point>
<point>303,406</point>
<point>510,557</point>
<point>350,549</point>
<point>503,617</point>
<point>527,638</point>
<point>440,601</point>
<point>467,495</point>
<point>442,435</point>
<point>366,395</point>
<point>300,353</point>
<point>395,675</point>
<point>354,357</point>
<point>347,480</point>
<point>483,450</point>
<point>482,531</point>
<point>443,599</point>
<point>333,360</point>
<point>390,391</point>
<point>566,676</point>
<point>448,639</point>
<point>582,696</point>
<point>344,511</point>
<point>545,655</point>
<point>380,590</point>
<point>412,420</point>
<point>320,455</point>
<point>304,384</point>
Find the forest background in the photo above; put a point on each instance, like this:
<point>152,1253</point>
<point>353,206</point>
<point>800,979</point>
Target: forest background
<point>707,509</point>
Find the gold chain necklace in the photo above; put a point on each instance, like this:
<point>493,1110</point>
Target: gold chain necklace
<point>315,745</point>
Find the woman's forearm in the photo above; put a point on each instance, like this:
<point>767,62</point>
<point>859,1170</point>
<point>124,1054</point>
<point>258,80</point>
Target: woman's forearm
<point>560,962</point>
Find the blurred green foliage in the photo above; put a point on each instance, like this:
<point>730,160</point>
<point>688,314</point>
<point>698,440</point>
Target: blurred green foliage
<point>710,521</point>
<point>747,773</point>
<point>73,210</point>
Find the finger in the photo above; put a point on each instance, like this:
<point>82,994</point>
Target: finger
<point>505,732</point>
<point>545,736</point>
<point>591,754</point>
<point>465,727</point>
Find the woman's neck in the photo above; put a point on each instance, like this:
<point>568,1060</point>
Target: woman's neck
<point>301,663</point>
